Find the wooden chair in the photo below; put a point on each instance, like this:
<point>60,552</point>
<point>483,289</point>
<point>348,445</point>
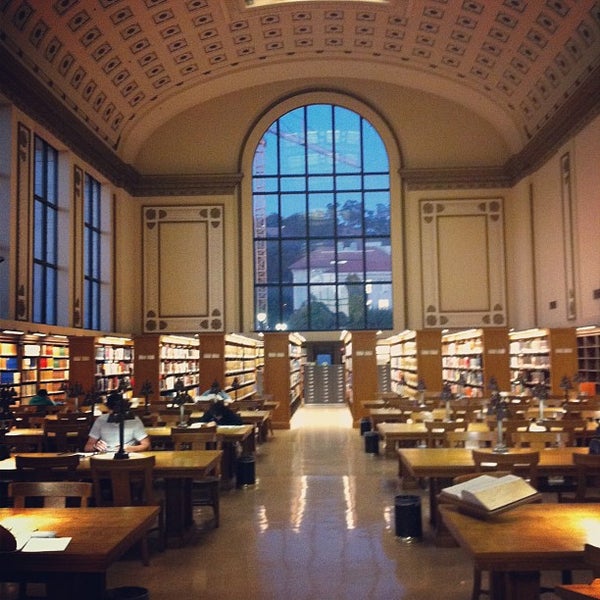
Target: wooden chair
<point>50,494</point>
<point>470,439</point>
<point>520,463</point>
<point>47,468</point>
<point>65,436</point>
<point>119,482</point>
<point>588,478</point>
<point>206,491</point>
<point>436,430</point>
<point>538,440</point>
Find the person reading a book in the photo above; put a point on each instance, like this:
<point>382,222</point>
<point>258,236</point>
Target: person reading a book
<point>41,399</point>
<point>221,414</point>
<point>105,434</point>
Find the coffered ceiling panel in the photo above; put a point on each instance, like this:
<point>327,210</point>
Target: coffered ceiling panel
<point>110,62</point>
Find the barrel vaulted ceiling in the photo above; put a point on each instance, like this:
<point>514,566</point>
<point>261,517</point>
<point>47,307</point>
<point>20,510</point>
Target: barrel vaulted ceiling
<point>114,68</point>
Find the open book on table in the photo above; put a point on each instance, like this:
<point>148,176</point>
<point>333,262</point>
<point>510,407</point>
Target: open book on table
<point>487,495</point>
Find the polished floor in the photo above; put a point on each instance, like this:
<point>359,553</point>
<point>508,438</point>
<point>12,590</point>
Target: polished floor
<point>317,525</point>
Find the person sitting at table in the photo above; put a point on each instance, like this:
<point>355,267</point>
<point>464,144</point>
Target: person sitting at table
<point>41,399</point>
<point>217,393</point>
<point>104,435</point>
<point>221,414</point>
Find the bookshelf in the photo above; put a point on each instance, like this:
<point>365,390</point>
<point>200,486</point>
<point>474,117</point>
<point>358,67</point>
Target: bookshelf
<point>477,355</point>
<point>588,358</point>
<point>284,361</point>
<point>32,361</point>
<point>163,359</point>
<point>416,355</point>
<point>101,363</point>
<point>539,355</point>
<point>226,357</point>
<point>360,371</point>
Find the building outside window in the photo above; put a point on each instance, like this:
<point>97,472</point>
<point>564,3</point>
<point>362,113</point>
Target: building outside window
<point>321,210</point>
<point>45,233</point>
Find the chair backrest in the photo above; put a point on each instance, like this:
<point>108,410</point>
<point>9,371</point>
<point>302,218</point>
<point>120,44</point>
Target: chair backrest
<point>538,440</point>
<point>46,468</point>
<point>469,439</point>
<point>51,494</point>
<point>588,476</point>
<point>592,558</point>
<point>513,424</point>
<point>65,436</point>
<point>198,439</point>
<point>520,463</point>
<point>123,482</point>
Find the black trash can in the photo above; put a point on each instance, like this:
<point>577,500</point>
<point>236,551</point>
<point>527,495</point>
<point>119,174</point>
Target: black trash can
<point>245,474</point>
<point>365,425</point>
<point>408,518</point>
<point>127,593</point>
<point>371,442</point>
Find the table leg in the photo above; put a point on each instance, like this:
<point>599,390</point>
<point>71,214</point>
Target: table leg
<point>178,506</point>
<point>91,586</point>
<point>515,585</point>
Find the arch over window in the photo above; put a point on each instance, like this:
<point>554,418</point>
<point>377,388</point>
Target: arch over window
<point>321,223</point>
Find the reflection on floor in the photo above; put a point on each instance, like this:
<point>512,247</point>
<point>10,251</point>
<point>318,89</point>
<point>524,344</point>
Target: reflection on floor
<point>318,524</point>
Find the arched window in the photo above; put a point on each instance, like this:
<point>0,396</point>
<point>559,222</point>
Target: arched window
<point>321,210</point>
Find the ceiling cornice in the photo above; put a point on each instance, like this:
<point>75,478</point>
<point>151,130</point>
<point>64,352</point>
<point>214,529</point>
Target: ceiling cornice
<point>186,185</point>
<point>465,178</point>
<point>30,96</point>
<point>571,117</point>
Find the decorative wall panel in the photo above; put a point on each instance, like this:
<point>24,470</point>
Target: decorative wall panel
<point>567,219</point>
<point>24,194</point>
<point>463,264</point>
<point>183,268</point>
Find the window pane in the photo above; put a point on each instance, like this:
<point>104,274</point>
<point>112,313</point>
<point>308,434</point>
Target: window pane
<point>374,155</point>
<point>348,141</point>
<point>378,260</point>
<point>377,213</point>
<point>350,216</point>
<point>273,266</point>
<point>320,214</point>
<point>294,261</point>
<point>348,182</point>
<point>319,137</point>
<point>293,184</point>
<point>293,215</point>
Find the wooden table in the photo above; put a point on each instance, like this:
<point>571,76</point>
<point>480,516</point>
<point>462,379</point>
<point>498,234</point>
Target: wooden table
<point>387,415</point>
<point>26,438</point>
<point>100,536</point>
<point>261,419</point>
<point>442,464</point>
<point>229,435</point>
<point>177,469</point>
<point>516,545</point>
<point>397,433</point>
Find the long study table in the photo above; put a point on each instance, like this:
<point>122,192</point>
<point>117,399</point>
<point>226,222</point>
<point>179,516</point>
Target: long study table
<point>177,469</point>
<point>442,464</point>
<point>517,545</point>
<point>100,536</point>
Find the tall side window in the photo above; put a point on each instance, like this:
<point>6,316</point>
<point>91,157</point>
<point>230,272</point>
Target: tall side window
<point>321,210</point>
<point>92,247</point>
<point>45,230</point>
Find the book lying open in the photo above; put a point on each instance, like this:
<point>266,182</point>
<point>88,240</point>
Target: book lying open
<point>487,495</point>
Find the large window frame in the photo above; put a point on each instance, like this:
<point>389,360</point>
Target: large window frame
<point>344,297</point>
<point>45,233</point>
<point>92,252</point>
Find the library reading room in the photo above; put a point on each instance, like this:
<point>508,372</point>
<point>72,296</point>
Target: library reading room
<point>300,299</point>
